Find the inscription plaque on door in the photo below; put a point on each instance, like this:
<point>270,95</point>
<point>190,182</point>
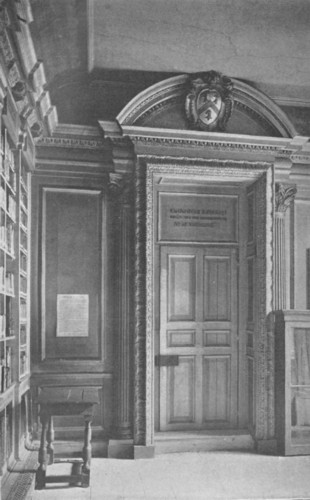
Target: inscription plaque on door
<point>197,217</point>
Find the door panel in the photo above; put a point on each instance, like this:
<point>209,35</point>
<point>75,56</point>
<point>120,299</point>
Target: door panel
<point>216,288</point>
<point>216,389</point>
<point>181,380</point>
<point>198,326</point>
<point>181,282</point>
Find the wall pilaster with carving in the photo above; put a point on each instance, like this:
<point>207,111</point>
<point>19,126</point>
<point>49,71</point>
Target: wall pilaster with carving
<point>284,196</point>
<point>121,192</point>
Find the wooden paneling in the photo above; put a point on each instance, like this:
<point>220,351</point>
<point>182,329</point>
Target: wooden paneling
<point>216,338</point>
<point>71,260</point>
<point>198,326</point>
<point>216,388</point>
<point>250,290</point>
<point>251,390</point>
<point>216,289</point>
<point>181,338</point>
<point>251,219</point>
<point>181,393</point>
<point>181,288</point>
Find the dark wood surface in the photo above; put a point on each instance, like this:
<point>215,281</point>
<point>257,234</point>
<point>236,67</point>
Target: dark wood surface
<point>67,395</point>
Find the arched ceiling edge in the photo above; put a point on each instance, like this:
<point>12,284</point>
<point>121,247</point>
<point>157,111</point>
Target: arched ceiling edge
<point>167,91</point>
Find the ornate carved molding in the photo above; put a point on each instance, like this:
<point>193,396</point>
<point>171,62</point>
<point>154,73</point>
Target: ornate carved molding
<point>263,349</point>
<point>158,108</point>
<point>124,352</point>
<point>156,167</point>
<point>203,167</point>
<point>166,93</point>
<point>115,183</point>
<point>284,196</point>
<point>214,145</point>
<point>140,380</point>
<point>209,101</point>
<point>121,186</point>
<point>68,142</point>
<point>267,126</point>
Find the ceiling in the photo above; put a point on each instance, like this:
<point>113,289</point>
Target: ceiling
<point>98,54</point>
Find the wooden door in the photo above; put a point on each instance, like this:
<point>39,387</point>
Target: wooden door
<point>198,338</point>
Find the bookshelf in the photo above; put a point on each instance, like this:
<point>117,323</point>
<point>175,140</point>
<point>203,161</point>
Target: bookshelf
<point>14,293</point>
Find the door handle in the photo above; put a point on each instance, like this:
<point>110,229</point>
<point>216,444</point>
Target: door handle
<point>166,360</point>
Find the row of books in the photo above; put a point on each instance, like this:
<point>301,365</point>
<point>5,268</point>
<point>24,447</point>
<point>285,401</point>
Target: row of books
<point>23,240</point>
<point>23,309</point>
<point>23,284</point>
<point>8,203</point>
<point>6,369</point>
<point>3,197</point>
<point>23,175</point>
<point>7,238</point>
<point>9,154</point>
<point>7,172</point>
<point>23,365</point>
<point>23,262</point>
<point>24,199</point>
<point>23,218</point>
<point>23,335</point>
<point>6,281</point>
<point>11,207</point>
<point>2,325</point>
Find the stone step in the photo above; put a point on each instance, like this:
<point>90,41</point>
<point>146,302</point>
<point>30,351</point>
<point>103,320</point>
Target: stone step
<point>180,442</point>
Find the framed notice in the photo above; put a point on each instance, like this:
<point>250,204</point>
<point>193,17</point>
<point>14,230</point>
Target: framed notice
<point>72,315</point>
<point>197,217</point>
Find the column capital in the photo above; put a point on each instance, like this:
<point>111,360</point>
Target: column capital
<point>120,185</point>
<point>284,195</point>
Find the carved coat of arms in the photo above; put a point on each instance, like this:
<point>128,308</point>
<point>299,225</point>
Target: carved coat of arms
<point>209,101</point>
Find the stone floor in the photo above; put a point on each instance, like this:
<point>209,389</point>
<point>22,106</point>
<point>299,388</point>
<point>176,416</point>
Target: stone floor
<point>190,476</point>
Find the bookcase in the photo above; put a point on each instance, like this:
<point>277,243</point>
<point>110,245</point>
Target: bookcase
<point>14,302</point>
<point>292,381</point>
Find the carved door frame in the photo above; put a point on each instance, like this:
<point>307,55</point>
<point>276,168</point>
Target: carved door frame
<point>146,168</point>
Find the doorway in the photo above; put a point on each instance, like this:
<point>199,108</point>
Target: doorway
<point>198,339</point>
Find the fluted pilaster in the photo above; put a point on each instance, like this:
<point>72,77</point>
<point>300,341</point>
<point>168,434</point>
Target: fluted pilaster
<point>284,196</point>
<point>120,188</point>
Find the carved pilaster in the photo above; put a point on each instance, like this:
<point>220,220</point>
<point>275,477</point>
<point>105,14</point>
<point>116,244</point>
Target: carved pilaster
<point>284,196</point>
<point>140,307</point>
<point>120,188</point>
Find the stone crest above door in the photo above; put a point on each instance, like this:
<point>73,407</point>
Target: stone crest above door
<point>176,103</point>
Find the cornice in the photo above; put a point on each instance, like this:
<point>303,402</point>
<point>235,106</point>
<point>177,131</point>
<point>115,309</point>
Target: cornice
<point>214,141</point>
<point>71,142</point>
<point>297,150</point>
<point>214,145</point>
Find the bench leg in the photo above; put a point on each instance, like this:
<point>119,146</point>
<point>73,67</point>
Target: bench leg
<point>86,453</point>
<point>50,439</point>
<point>41,472</point>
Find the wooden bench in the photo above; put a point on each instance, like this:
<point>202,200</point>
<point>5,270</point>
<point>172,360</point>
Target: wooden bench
<point>59,401</point>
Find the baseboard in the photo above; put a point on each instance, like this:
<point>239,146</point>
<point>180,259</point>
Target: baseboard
<point>266,446</point>
<point>203,441</point>
<point>120,448</point>
<point>143,452</point>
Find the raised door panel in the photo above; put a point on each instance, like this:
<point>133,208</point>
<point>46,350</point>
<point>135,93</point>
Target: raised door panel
<point>181,392</point>
<point>216,389</point>
<point>216,289</point>
<point>181,287</point>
